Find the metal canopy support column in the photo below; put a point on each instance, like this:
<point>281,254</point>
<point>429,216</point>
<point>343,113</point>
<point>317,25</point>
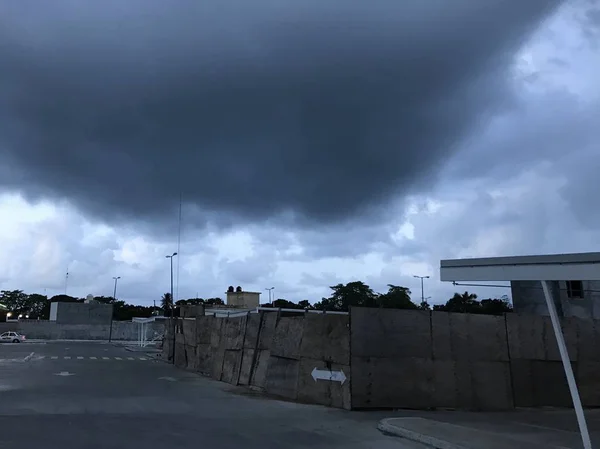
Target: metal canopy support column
<point>564,355</point>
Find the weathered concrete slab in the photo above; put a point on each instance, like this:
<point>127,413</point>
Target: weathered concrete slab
<point>532,337</point>
<point>204,356</point>
<point>231,366</point>
<point>538,383</point>
<point>180,360</point>
<point>390,333</point>
<point>189,331</point>
<point>282,377</point>
<point>267,330</point>
<point>248,360</point>
<point>288,337</point>
<point>234,330</point>
<point>252,330</point>
<point>391,382</point>
<point>588,341</point>
<point>326,338</point>
<point>461,336</point>
<point>491,385</point>
<point>452,385</point>
<point>588,382</point>
<point>324,392</point>
<point>191,360</point>
<point>260,368</point>
<point>203,329</point>
<point>215,332</point>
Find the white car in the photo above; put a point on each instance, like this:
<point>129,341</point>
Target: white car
<point>13,337</point>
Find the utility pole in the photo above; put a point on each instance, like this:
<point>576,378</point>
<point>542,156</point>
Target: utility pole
<point>270,290</point>
<point>172,300</point>
<point>422,291</point>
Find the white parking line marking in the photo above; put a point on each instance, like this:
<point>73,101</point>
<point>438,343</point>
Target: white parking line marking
<point>68,357</point>
<point>54,357</point>
<point>105,358</point>
<point>79,358</point>
<point>92,358</point>
<point>118,358</point>
<point>130,358</point>
<point>143,358</point>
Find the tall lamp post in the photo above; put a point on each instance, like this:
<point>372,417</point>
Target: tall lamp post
<point>112,312</point>
<point>422,291</point>
<point>270,290</point>
<point>172,299</point>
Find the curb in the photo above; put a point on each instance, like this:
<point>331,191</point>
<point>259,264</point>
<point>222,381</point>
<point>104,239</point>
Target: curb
<point>390,429</point>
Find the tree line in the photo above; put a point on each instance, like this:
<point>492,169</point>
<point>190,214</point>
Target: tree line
<point>343,296</point>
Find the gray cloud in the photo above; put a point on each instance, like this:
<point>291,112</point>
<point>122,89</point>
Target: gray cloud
<point>316,111</point>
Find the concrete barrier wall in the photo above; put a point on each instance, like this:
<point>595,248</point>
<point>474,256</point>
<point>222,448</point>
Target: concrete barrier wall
<point>393,358</point>
<point>50,330</point>
<point>269,352</point>
<point>420,359</point>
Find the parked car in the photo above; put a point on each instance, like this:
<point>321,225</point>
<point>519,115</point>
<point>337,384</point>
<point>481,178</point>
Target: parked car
<point>13,337</point>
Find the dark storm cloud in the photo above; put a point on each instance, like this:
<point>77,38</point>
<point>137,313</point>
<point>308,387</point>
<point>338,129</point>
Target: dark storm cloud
<point>318,110</point>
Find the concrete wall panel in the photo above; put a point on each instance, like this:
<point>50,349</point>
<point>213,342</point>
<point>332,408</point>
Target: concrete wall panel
<point>288,337</point>
<point>189,331</point>
<point>252,329</point>
<point>231,366</point>
<point>324,392</point>
<point>491,386</point>
<point>233,332</point>
<point>326,338</point>
<point>390,333</point>
<point>248,360</point>
<point>203,329</point>
<point>267,330</point>
<point>204,358</point>
<point>458,336</point>
<point>588,382</point>
<point>538,383</point>
<point>259,370</point>
<point>282,377</point>
<point>391,382</point>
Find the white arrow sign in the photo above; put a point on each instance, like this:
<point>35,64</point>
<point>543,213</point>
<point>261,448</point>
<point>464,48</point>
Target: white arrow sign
<point>335,376</point>
<point>64,373</point>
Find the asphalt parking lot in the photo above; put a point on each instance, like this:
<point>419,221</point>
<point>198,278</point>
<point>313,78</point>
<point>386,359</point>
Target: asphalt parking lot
<point>90,395</point>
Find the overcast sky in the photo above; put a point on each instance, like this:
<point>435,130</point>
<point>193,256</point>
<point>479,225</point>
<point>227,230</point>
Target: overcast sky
<point>312,142</point>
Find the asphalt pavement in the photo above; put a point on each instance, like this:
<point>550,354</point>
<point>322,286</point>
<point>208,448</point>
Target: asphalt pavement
<point>90,395</point>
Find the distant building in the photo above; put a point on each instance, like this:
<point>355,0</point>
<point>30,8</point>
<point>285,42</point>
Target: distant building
<point>239,298</point>
<point>81,313</point>
<point>573,298</point>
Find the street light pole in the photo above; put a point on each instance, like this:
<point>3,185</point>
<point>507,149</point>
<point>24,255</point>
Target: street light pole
<point>422,291</point>
<point>115,290</point>
<point>172,301</point>
<point>270,290</point>
<point>112,312</point>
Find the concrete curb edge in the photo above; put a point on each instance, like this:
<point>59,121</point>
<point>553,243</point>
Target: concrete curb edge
<point>390,429</point>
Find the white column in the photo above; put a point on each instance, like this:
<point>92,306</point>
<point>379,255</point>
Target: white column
<point>564,355</point>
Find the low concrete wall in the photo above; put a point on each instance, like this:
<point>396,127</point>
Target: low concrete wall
<point>393,358</point>
<point>266,351</point>
<point>419,359</point>
<point>49,330</point>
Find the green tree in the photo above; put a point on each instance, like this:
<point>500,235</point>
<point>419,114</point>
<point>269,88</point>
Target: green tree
<point>495,306</point>
<point>305,304</point>
<point>344,296</point>
<point>396,298</point>
<point>460,303</point>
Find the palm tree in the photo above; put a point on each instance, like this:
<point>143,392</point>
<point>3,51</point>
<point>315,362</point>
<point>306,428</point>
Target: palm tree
<point>166,303</point>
